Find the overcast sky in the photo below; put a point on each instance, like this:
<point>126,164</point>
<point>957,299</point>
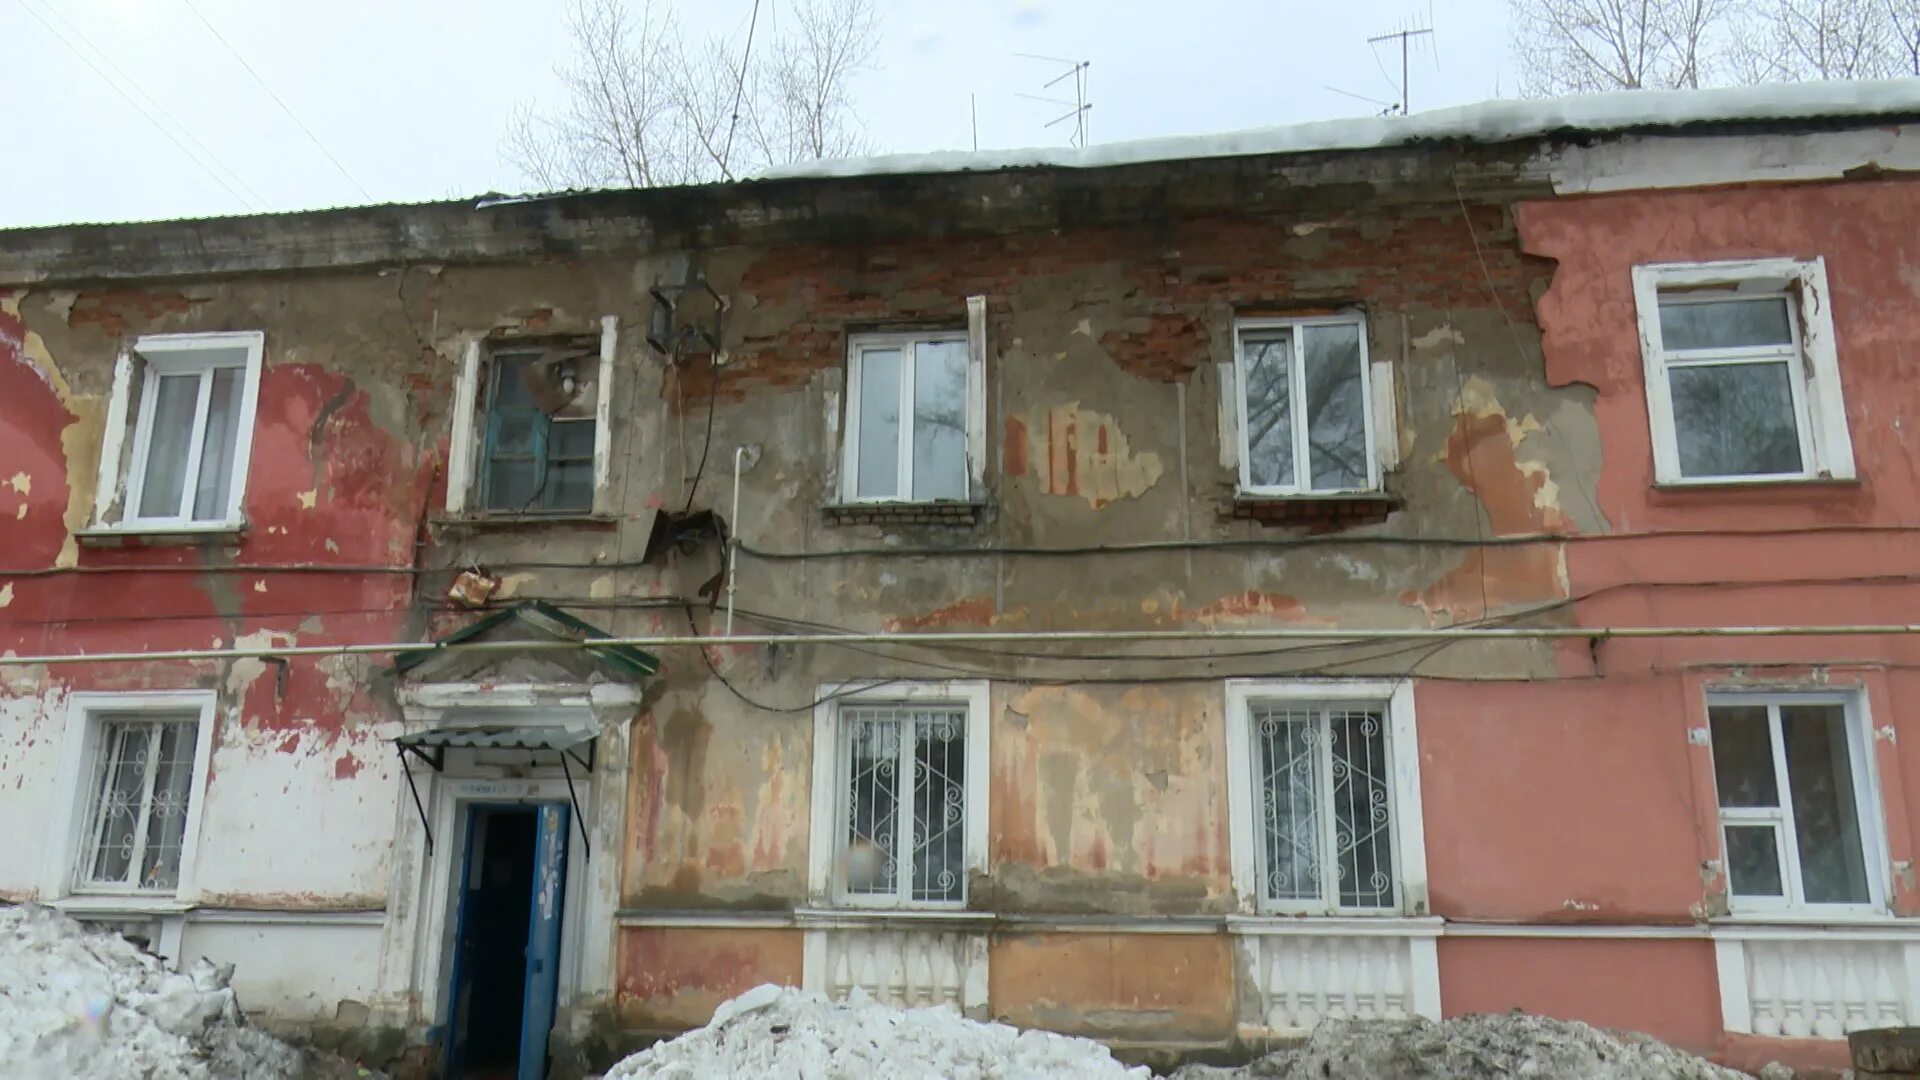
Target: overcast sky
<point>411,95</point>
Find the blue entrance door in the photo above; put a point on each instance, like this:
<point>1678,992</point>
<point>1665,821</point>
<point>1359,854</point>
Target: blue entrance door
<point>543,938</point>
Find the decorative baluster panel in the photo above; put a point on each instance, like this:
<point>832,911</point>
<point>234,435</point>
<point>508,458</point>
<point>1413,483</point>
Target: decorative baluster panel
<point>1300,979</point>
<point>1826,989</point>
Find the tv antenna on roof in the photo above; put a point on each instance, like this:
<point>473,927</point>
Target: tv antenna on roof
<point>1077,71</point>
<point>1404,35</point>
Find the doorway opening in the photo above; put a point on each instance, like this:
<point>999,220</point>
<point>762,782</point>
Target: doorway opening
<point>507,944</point>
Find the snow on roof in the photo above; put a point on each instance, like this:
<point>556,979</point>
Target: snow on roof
<point>1486,122</point>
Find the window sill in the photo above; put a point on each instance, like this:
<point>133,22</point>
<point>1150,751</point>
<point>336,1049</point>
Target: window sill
<point>114,536</point>
<point>856,918</point>
<point>501,522</point>
<point>1386,924</point>
<point>1760,483</point>
<point>1319,512</point>
<point>904,513</point>
<point>1798,926</point>
<point>121,904</point>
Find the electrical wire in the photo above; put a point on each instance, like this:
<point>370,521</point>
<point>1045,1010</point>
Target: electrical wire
<point>284,107</point>
<point>158,126</point>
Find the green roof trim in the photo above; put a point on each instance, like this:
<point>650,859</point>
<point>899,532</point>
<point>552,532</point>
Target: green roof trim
<point>548,620</point>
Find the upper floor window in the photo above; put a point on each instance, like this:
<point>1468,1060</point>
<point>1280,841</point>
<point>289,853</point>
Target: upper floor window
<point>909,418</point>
<point>192,433</point>
<point>537,456</point>
<point>1305,410</point>
<point>1742,379</point>
<point>900,789</point>
<point>1796,821</point>
<point>531,429</point>
<point>140,768</point>
<point>1325,798</point>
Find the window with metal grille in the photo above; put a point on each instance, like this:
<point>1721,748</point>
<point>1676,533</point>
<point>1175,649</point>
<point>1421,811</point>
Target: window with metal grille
<point>1325,828</point>
<point>139,820</point>
<point>540,432</point>
<point>1791,779</point>
<point>902,835</point>
<point>1304,406</point>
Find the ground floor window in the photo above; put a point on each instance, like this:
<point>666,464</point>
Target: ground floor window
<point>899,799</point>
<point>137,769</point>
<point>1795,821</point>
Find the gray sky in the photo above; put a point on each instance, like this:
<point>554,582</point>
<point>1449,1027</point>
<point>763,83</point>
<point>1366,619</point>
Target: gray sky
<point>411,95</point>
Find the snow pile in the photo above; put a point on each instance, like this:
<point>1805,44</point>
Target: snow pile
<point>1516,1045</point>
<point>77,1002</point>
<point>774,1031</point>
<point>1485,122</point>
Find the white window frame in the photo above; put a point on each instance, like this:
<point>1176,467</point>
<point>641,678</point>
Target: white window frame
<point>1244,795</point>
<point>81,760</point>
<point>1820,412</point>
<point>173,354</point>
<point>974,336</point>
<point>1296,370</point>
<point>826,840</point>
<point>467,438</point>
<point>1866,797</point>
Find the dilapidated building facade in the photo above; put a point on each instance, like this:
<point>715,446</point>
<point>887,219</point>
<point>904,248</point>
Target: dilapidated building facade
<point>1171,593</point>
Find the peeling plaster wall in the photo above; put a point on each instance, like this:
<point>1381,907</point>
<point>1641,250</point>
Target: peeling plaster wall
<point>1110,306</point>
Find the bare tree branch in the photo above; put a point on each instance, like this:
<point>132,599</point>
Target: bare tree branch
<point>645,107</point>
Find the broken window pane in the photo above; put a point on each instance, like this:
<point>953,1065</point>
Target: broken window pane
<point>1726,324</point>
<point>1826,814</point>
<point>1735,419</point>
<point>940,420</point>
<point>218,446</point>
<point>878,475</point>
<point>177,399</point>
<point>1335,407</point>
<point>1753,862</point>
<point>1743,756</point>
<point>1268,369</point>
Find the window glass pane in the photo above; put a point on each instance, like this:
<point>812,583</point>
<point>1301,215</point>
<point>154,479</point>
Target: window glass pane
<point>1287,755</point>
<point>1335,407</point>
<point>1753,862</point>
<point>1826,816</point>
<point>570,439</point>
<point>940,420</point>
<point>513,485</point>
<point>123,790</point>
<point>167,813</point>
<point>1735,419</point>
<point>218,446</point>
<point>570,486</point>
<point>1267,364</point>
<point>873,802</point>
<point>1362,825</point>
<point>1726,324</point>
<point>939,805</point>
<point>511,372</point>
<point>878,475</point>
<point>178,398</point>
<point>1743,756</point>
<point>513,432</point>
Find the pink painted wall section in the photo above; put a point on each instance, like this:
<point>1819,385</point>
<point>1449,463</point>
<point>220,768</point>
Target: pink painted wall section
<point>1565,802</point>
<point>1666,988</point>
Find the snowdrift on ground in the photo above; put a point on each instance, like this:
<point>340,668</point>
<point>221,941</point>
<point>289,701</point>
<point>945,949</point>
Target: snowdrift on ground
<point>1515,1045</point>
<point>775,1032</point>
<point>82,1003</point>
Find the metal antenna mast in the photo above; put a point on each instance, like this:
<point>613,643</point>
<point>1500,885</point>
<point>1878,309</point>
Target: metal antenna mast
<point>1404,36</point>
<point>1080,106</point>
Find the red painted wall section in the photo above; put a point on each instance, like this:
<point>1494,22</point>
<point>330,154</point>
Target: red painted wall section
<point>332,498</point>
<point>1559,802</point>
<point>1607,983</point>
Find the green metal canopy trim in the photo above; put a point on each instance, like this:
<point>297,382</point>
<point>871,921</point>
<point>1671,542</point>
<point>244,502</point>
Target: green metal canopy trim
<point>548,620</point>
